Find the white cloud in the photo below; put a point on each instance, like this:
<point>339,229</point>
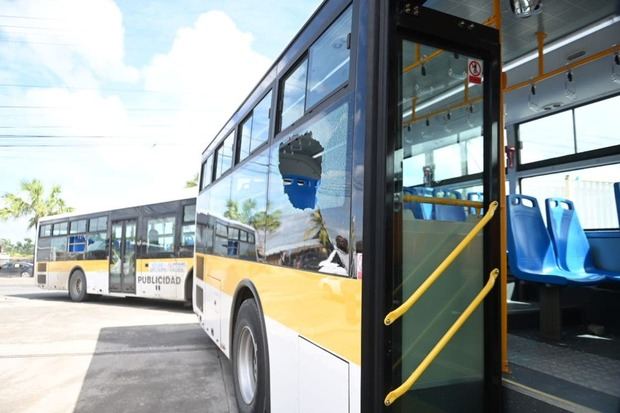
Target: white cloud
<point>78,41</point>
<point>211,68</point>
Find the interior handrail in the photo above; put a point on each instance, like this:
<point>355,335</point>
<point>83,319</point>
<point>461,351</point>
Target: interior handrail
<point>443,201</point>
<point>413,298</point>
<point>445,339</point>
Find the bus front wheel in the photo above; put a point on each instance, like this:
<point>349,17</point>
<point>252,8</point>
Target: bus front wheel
<point>250,365</point>
<point>77,286</point>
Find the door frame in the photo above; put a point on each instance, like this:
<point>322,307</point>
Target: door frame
<point>123,252</point>
<point>388,23</point>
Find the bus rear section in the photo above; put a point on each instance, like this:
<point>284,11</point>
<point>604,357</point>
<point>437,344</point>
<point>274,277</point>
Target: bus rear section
<point>144,251</point>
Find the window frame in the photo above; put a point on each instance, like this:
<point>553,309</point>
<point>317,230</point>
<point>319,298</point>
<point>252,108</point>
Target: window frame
<point>565,159</point>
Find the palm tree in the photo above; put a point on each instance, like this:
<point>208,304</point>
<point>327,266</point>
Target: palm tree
<point>192,183</point>
<point>34,204</point>
<point>318,230</point>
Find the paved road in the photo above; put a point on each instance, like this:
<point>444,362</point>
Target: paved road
<point>111,355</point>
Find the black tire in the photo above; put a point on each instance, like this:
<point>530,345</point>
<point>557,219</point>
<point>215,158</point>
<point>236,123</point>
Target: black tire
<point>249,324</point>
<point>189,293</point>
<point>77,286</point>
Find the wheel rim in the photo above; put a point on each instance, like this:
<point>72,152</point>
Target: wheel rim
<point>247,365</point>
<point>78,286</point>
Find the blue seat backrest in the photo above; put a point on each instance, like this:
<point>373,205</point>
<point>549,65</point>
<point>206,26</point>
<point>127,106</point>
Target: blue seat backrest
<point>475,196</point>
<point>420,210</point>
<point>449,212</point>
<point>569,239</point>
<point>617,193</point>
<point>529,246</point>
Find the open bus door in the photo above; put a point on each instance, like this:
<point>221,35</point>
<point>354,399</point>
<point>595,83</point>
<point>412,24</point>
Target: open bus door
<point>431,291</point>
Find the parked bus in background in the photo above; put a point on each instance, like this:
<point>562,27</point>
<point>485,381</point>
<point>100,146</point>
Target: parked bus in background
<point>142,251</point>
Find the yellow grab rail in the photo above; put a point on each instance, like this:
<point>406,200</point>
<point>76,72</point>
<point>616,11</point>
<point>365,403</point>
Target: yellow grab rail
<point>430,357</point>
<point>404,307</point>
<point>443,201</point>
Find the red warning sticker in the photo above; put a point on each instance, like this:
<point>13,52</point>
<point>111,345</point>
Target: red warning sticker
<point>474,71</point>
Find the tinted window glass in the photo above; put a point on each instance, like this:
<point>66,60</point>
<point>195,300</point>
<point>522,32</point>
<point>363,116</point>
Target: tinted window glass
<point>591,190</point>
<point>59,249</point>
<point>547,137</point>
<point>309,196</point>
<point>187,240</point>
<point>597,125</point>
<point>77,246</point>
<point>43,249</point>
<point>329,60</point>
<point>97,246</point>
<point>246,138</point>
<point>224,155</point>
<point>46,230</point>
<point>189,213</point>
<point>294,96</point>
<point>260,122</point>
<point>160,236</point>
<point>98,224</point>
<point>207,171</point>
<point>78,226</point>
<point>61,229</point>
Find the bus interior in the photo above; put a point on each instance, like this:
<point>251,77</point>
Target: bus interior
<point>561,91</point>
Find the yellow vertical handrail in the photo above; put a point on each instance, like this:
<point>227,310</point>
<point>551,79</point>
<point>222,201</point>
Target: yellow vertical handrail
<point>441,344</point>
<point>413,298</point>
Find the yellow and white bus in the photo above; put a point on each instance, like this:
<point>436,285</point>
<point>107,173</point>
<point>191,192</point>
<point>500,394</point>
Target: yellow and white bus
<point>142,251</point>
<point>324,162</point>
<point>369,162</point>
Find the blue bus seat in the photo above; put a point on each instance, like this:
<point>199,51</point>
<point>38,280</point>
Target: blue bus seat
<point>449,212</point>
<point>569,240</point>
<point>475,196</point>
<point>420,210</point>
<point>530,251</point>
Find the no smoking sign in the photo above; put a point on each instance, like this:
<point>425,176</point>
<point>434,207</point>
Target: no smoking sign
<point>474,71</point>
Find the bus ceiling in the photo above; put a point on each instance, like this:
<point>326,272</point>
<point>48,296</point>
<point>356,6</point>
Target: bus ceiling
<point>556,54</point>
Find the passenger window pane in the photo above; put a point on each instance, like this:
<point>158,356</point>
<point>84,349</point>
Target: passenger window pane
<point>246,138</point>
<point>61,229</point>
<point>597,125</point>
<point>224,155</point>
<point>260,122</point>
<point>475,151</point>
<point>46,230</point>
<point>591,190</point>
<point>413,170</point>
<point>97,246</point>
<point>207,171</point>
<point>546,138</point>
<point>78,226</point>
<point>447,162</point>
<point>59,249</point>
<point>43,249</point>
<point>329,60</point>
<point>160,236</point>
<point>98,224</point>
<point>309,196</point>
<point>189,213</point>
<point>294,96</point>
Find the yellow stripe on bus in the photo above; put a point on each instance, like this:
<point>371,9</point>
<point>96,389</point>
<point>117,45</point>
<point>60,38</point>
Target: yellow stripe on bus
<point>86,265</point>
<point>324,309</point>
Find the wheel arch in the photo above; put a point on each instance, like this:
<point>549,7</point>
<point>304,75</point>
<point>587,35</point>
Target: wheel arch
<point>73,270</point>
<point>246,290</point>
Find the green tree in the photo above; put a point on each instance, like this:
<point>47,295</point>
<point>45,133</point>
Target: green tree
<point>259,220</point>
<point>318,230</point>
<point>34,203</point>
<point>192,183</point>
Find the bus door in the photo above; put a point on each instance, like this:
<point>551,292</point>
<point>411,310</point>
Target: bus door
<point>123,256</point>
<point>440,335</point>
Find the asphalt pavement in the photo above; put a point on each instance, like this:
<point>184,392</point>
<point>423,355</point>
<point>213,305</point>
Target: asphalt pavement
<point>108,355</point>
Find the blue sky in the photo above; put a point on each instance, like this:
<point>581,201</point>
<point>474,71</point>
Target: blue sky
<point>114,100</point>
